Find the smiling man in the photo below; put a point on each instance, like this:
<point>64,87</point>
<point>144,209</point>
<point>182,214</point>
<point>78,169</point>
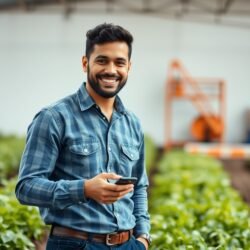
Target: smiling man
<point>78,147</point>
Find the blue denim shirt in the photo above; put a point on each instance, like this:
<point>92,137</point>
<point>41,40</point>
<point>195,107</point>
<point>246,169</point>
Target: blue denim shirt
<point>71,141</point>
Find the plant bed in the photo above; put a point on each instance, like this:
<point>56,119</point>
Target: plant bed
<point>239,173</point>
<point>193,206</point>
<point>11,148</point>
<point>20,226</point>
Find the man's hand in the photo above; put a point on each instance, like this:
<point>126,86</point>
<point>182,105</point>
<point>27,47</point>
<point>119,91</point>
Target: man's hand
<point>143,241</point>
<point>101,191</point>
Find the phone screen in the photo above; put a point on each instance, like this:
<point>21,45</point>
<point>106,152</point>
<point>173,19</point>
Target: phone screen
<point>126,180</point>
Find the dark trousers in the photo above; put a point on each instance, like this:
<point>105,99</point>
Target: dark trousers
<point>67,243</point>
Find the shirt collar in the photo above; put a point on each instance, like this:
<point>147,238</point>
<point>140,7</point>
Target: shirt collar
<point>86,101</point>
<point>119,105</point>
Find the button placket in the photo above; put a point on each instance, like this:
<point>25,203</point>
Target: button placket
<point>109,149</point>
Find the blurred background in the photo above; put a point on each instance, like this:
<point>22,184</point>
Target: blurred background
<point>189,85</point>
<point>42,42</point>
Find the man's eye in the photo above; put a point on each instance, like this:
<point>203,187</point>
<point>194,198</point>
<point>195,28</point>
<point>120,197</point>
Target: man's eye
<point>101,61</point>
<point>121,63</point>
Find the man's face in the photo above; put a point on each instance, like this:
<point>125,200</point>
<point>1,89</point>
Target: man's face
<point>107,68</point>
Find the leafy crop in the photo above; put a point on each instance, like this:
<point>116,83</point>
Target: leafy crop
<point>151,152</point>
<point>194,207</point>
<point>11,148</point>
<point>19,225</point>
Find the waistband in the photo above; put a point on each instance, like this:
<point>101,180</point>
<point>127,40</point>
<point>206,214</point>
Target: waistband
<point>115,238</point>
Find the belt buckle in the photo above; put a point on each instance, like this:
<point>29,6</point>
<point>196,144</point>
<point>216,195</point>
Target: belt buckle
<point>108,238</point>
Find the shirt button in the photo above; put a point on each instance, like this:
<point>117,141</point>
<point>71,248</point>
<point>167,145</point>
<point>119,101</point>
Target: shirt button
<point>109,148</point>
<point>85,150</point>
<point>108,169</point>
<point>131,155</point>
<point>104,118</point>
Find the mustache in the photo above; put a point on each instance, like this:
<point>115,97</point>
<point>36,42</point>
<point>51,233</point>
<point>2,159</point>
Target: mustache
<point>107,75</point>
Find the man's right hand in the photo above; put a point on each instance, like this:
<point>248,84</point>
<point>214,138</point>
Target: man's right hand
<point>100,190</point>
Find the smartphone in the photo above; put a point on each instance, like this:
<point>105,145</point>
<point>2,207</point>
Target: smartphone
<point>126,180</point>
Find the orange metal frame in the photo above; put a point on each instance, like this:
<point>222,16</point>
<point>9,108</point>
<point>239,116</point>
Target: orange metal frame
<point>180,84</point>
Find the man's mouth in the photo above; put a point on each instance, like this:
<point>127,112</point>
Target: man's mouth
<point>109,81</point>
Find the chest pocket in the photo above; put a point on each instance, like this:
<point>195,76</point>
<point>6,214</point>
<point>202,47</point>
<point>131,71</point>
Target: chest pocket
<point>85,158</point>
<point>84,149</point>
<point>128,158</point>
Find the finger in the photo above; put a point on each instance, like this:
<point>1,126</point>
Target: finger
<point>121,194</point>
<point>118,188</point>
<point>116,194</point>
<point>111,194</point>
<point>107,200</point>
<point>112,199</point>
<point>110,176</point>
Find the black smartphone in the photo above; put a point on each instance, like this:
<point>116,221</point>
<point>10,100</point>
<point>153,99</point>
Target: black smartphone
<point>126,180</point>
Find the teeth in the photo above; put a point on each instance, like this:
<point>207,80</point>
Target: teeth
<point>109,80</point>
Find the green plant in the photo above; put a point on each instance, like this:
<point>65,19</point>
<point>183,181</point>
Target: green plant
<point>194,207</point>
<point>150,152</point>
<point>19,225</point>
<point>11,148</point>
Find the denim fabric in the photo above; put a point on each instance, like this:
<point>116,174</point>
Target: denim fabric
<point>65,243</point>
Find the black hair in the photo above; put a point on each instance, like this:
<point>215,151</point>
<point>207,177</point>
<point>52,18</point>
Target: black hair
<point>105,33</point>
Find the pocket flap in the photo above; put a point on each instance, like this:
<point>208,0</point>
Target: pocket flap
<point>131,152</point>
<point>84,148</point>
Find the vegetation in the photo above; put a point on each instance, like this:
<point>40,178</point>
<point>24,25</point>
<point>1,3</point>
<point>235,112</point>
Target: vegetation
<point>19,225</point>
<point>194,207</point>
<point>151,152</point>
<point>11,148</point>
<point>192,204</point>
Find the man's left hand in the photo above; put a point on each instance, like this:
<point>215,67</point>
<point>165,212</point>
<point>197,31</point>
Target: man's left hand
<point>143,241</point>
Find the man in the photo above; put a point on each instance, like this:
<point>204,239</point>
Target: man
<point>77,148</point>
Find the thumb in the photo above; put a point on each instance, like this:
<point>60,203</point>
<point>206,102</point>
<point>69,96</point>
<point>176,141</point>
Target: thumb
<point>110,176</point>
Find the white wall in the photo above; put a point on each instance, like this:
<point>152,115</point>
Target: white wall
<point>40,62</point>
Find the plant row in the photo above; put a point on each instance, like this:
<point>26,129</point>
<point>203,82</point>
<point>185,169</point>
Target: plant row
<point>11,148</point>
<point>20,225</point>
<point>193,206</point>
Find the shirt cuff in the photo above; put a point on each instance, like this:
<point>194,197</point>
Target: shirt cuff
<point>76,190</point>
<point>141,229</point>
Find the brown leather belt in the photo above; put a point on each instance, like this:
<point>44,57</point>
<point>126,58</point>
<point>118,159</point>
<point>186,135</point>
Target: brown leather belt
<point>111,239</point>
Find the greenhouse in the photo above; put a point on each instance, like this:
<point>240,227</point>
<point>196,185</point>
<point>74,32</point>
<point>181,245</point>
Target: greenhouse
<point>125,125</point>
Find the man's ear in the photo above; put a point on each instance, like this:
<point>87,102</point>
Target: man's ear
<point>85,63</point>
<point>129,65</point>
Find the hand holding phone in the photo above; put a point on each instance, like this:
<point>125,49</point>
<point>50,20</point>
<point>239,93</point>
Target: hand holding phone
<point>126,180</point>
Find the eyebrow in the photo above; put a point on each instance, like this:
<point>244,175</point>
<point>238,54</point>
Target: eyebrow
<point>101,57</point>
<point>107,58</point>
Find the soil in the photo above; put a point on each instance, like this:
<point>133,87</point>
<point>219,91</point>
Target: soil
<point>239,172</point>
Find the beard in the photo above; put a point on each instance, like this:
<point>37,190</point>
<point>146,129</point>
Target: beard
<point>96,86</point>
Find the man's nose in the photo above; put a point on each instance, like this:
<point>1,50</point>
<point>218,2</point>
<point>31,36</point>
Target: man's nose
<point>110,68</point>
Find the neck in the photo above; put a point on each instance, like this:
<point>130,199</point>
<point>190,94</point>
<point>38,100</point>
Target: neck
<point>106,104</point>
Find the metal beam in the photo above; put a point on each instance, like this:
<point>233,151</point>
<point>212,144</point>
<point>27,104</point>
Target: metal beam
<point>227,5</point>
